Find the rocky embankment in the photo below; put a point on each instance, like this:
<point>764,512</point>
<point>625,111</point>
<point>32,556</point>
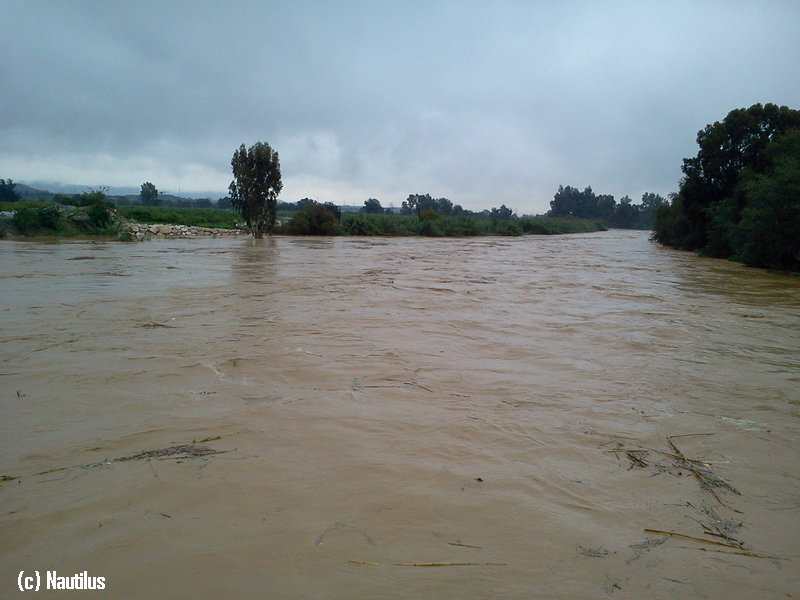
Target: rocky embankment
<point>141,232</point>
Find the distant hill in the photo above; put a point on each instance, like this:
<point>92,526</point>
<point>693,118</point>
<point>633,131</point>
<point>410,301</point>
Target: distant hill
<point>31,194</point>
<point>117,195</point>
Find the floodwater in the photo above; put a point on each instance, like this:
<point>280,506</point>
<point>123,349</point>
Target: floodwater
<point>351,409</point>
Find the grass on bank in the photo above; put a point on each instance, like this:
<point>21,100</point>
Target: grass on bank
<point>97,218</point>
<point>170,215</point>
<point>50,220</point>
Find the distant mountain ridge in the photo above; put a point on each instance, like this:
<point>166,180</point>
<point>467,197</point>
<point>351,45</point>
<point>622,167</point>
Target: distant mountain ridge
<point>45,191</point>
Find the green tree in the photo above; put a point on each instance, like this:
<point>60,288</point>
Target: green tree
<point>334,210</point>
<point>605,207</point>
<point>372,207</point>
<point>725,149</point>
<point>149,194</point>
<point>304,202</point>
<point>767,232</point>
<point>647,209</point>
<point>256,185</point>
<point>416,203</point>
<point>626,214</point>
<point>651,201</point>
<point>571,202</point>
<point>7,193</point>
<point>502,213</point>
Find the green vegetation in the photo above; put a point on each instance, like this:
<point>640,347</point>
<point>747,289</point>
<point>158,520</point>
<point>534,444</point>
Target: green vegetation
<point>571,202</point>
<point>197,217</point>
<point>255,186</point>
<point>319,219</point>
<point>740,196</point>
<point>91,217</point>
<point>148,195</point>
<point>7,192</point>
<point>253,195</point>
<point>314,219</point>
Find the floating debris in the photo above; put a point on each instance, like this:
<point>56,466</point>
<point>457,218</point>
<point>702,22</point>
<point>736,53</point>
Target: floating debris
<point>429,564</point>
<point>702,472</point>
<point>176,452</point>
<point>343,525</point>
<point>154,324</point>
<point>708,479</point>
<point>690,537</point>
<point>598,552</point>
<point>179,451</point>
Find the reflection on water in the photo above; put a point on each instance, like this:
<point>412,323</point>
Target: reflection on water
<point>398,401</point>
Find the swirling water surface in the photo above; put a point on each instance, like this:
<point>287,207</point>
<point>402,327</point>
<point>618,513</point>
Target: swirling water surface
<point>505,409</point>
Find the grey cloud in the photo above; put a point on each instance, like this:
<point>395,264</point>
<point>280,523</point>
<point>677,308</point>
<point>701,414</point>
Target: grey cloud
<point>482,103</point>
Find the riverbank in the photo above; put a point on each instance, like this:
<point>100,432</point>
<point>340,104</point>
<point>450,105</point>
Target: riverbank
<point>142,231</point>
<point>434,225</point>
<point>48,224</point>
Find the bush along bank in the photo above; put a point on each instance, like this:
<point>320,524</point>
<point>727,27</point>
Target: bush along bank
<point>316,219</point>
<point>95,217</point>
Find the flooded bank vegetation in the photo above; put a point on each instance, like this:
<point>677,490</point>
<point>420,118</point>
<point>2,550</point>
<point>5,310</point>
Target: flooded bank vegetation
<point>317,219</point>
<point>740,196</point>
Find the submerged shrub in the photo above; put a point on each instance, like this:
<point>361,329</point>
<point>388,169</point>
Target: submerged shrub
<point>314,219</point>
<point>28,220</point>
<point>359,225</point>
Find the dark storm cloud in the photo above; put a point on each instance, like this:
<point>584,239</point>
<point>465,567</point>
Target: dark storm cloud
<point>485,103</point>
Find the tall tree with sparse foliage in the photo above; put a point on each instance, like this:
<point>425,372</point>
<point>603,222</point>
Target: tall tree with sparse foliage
<point>255,186</point>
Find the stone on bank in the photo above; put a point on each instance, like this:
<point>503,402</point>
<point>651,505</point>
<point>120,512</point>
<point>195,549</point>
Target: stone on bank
<point>141,232</point>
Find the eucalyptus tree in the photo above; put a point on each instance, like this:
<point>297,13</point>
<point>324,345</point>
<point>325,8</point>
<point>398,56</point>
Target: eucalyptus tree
<point>149,194</point>
<point>255,186</point>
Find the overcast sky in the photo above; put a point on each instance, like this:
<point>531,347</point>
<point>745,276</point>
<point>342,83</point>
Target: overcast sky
<point>485,103</point>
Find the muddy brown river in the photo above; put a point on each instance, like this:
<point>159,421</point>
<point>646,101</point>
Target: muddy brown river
<point>398,418</point>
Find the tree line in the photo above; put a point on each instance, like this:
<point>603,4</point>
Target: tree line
<point>739,197</point>
<point>571,202</point>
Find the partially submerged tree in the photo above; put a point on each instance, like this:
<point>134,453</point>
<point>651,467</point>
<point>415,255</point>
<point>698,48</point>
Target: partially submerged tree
<point>256,185</point>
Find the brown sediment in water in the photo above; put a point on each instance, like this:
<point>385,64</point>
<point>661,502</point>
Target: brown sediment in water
<point>292,417</point>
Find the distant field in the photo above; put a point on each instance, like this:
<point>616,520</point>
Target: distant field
<point>199,217</point>
<point>13,206</point>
